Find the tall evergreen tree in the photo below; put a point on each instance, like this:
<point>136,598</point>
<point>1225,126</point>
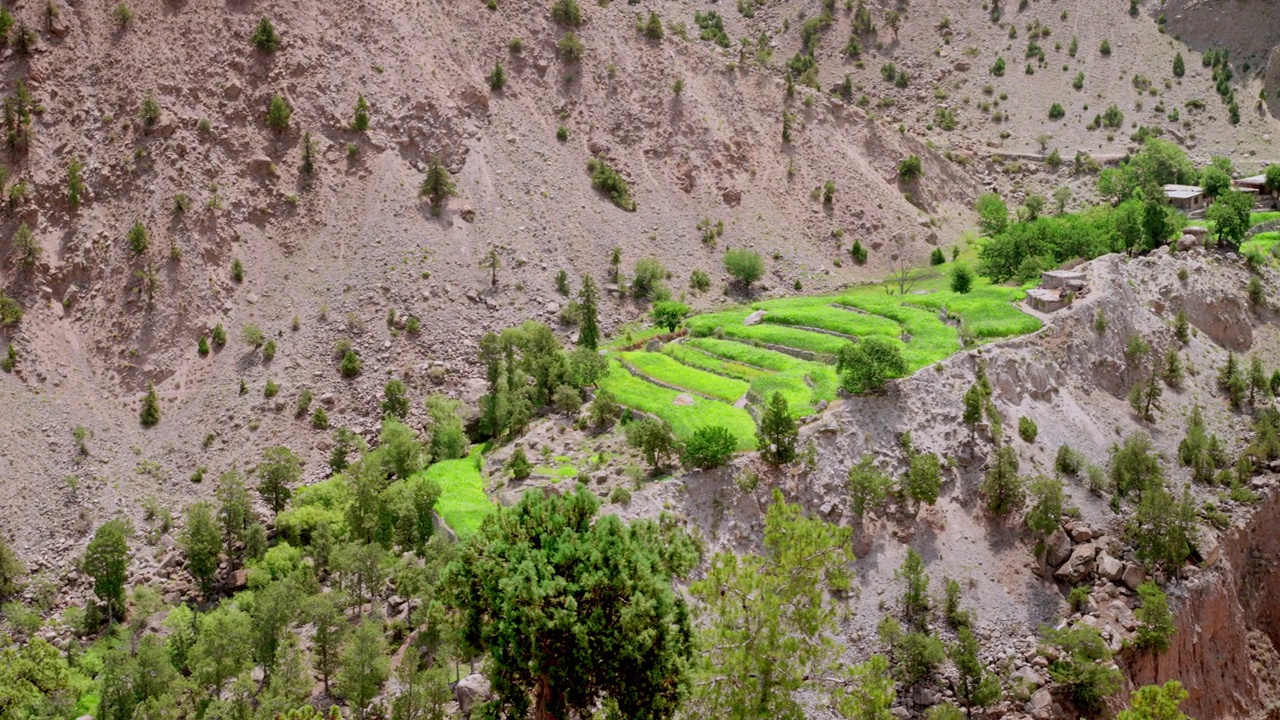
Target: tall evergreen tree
<point>201,541</point>
<point>778,433</point>
<point>578,625</point>
<point>106,560</point>
<point>770,620</point>
<point>235,512</point>
<point>279,469</point>
<point>589,314</point>
<point>328,626</point>
<point>365,667</point>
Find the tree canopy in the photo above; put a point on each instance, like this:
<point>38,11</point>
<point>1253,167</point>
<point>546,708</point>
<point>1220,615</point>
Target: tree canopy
<point>573,609</point>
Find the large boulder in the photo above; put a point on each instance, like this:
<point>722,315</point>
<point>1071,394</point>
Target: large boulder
<point>1109,567</point>
<point>471,691</point>
<point>1057,548</point>
<point>1079,565</point>
<point>1133,576</point>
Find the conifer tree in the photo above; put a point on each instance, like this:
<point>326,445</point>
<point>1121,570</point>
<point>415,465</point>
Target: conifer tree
<point>589,314</point>
<point>360,123</point>
<point>149,416</point>
<point>778,432</point>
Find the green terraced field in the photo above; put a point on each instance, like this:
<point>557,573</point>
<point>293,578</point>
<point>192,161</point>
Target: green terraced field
<point>833,319</point>
<point>633,392</point>
<point>463,503</point>
<point>689,355</point>
<point>747,354</point>
<point>1262,217</point>
<point>664,369</point>
<point>722,358</point>
<point>1265,242</point>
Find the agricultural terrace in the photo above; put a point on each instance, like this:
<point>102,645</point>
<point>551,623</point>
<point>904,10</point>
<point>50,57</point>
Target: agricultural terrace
<point>724,369</point>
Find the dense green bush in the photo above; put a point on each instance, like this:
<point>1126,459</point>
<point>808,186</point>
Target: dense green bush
<point>138,238</point>
<point>1027,429</point>
<point>744,266</point>
<point>570,47</point>
<point>867,365</point>
<point>607,180</point>
<point>647,278</point>
<point>10,310</point>
<point>710,446</point>
<point>910,168</point>
<point>278,113</point>
<point>1155,622</point>
<point>497,78</point>
<point>350,364</point>
<point>567,12</point>
<point>961,279</point>
<point>360,122</point>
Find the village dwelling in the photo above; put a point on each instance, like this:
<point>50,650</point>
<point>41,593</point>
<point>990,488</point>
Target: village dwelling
<point>1258,184</point>
<point>1058,288</point>
<point>1187,198</point>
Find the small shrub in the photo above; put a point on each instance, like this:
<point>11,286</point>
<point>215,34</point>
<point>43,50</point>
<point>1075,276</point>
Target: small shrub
<point>278,113</point>
<point>237,270</point>
<point>1255,292</point>
<point>937,257</point>
<point>858,252</point>
<point>567,12</point>
<point>350,364</point>
<point>149,415</point>
<point>607,180</point>
<point>219,336</point>
<point>265,37</point>
<point>620,496</point>
<point>1105,48</point>
<point>320,418</point>
<point>149,112</point>
<point>304,404</point>
<point>122,15</point>
<point>437,186</point>
<point>1078,596</point>
<point>497,78</point>
<point>1068,462</point>
<point>562,133</point>
<point>570,47</point>
<point>519,465</point>
<point>1056,112</point>
<point>1027,429</point>
<point>360,122</point>
<point>269,350</point>
<point>910,168</point>
<point>270,390</point>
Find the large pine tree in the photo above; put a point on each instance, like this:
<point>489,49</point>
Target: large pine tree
<point>574,609</point>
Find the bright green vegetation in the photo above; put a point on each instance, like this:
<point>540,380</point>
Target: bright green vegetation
<point>661,367</point>
<point>792,350</point>
<point>1265,242</point>
<point>556,473</point>
<point>462,502</point>
<point>689,355</point>
<point>1258,218</point>
<point>633,392</point>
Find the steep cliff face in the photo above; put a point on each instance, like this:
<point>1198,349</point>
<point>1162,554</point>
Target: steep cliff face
<point>1224,652</point>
